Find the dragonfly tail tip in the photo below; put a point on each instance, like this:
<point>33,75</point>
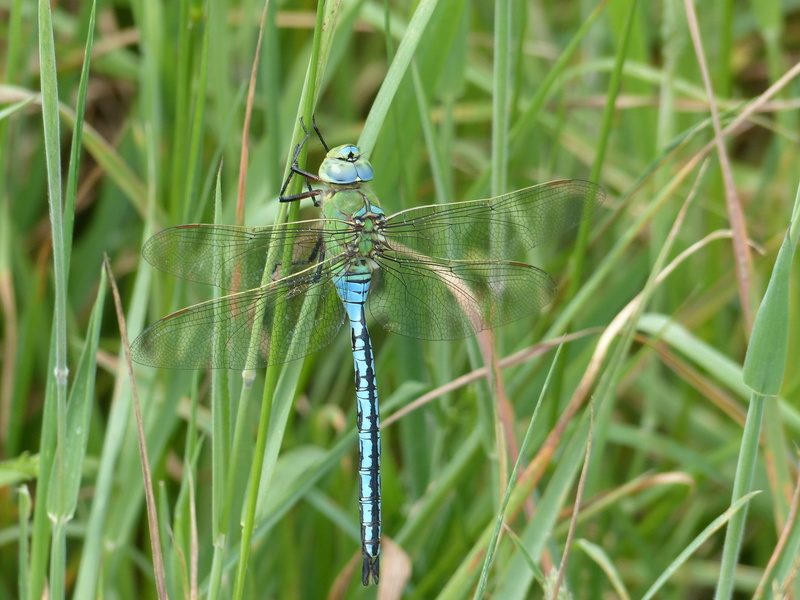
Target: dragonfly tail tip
<point>371,566</point>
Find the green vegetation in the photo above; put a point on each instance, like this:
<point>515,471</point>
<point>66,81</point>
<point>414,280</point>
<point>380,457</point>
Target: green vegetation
<point>123,118</point>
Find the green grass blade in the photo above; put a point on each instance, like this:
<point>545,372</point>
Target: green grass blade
<point>479,591</point>
<point>54,424</point>
<point>601,558</point>
<point>77,137</point>
<point>62,501</point>
<point>702,538</point>
<point>500,102</point>
<point>193,146</point>
<point>765,363</point>
<point>23,555</point>
<point>220,454</point>
<point>15,108</point>
<point>321,46</point>
<point>405,52</point>
<point>763,372</point>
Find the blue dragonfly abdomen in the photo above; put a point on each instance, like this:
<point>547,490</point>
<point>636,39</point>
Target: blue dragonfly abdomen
<point>353,290</point>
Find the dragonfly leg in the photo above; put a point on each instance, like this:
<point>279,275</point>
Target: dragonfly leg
<point>316,129</point>
<point>295,169</point>
<point>317,256</point>
<point>309,194</point>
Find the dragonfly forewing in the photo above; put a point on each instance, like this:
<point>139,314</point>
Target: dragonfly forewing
<point>234,258</point>
<point>495,228</point>
<point>283,321</point>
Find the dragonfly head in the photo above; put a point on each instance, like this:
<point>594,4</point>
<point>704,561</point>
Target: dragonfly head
<point>344,164</point>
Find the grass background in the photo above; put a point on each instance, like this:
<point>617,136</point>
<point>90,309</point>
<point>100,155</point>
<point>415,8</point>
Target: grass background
<point>496,98</point>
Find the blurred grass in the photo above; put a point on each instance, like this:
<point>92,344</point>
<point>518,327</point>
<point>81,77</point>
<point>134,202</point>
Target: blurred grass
<point>160,114</point>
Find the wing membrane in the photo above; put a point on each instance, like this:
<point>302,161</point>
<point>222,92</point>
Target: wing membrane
<point>494,228</point>
<point>233,258</point>
<point>217,334</point>
<point>437,299</point>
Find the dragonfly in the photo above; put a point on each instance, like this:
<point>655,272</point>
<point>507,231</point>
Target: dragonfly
<point>437,272</point>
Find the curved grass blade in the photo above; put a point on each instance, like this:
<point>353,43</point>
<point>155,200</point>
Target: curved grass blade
<point>405,52</point>
<point>697,542</point>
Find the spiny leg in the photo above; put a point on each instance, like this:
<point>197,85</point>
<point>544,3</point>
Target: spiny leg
<point>295,169</point>
<point>319,135</point>
<point>316,256</point>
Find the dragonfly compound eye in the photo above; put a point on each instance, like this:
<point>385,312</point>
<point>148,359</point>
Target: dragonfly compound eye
<point>344,165</point>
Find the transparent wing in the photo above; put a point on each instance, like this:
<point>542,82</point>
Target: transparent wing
<point>218,334</point>
<point>437,299</point>
<point>233,258</point>
<point>495,228</point>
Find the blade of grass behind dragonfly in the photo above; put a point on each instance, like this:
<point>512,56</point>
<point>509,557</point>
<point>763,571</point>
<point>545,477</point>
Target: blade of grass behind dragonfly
<point>191,95</point>
<point>440,354</point>
<point>405,52</point>
<point>501,77</point>
<point>223,455</point>
<point>190,101</point>
<point>261,469</point>
<point>606,121</point>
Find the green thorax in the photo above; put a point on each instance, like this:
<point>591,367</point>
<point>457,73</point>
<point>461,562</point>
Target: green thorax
<point>351,208</point>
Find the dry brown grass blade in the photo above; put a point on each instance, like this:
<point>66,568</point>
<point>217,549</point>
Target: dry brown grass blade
<point>631,311</point>
<point>251,92</point>
<point>504,420</point>
<point>779,547</point>
<point>9,311</point>
<point>741,251</point>
<point>641,483</point>
<point>717,396</point>
<point>576,510</point>
<point>150,501</point>
<point>509,361</point>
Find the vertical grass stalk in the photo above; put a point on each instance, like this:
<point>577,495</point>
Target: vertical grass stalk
<point>763,373</point>
<point>307,102</point>
<point>54,423</point>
